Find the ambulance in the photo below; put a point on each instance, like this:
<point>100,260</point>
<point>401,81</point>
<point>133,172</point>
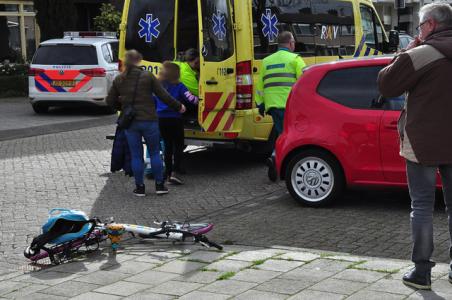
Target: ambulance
<point>233,36</point>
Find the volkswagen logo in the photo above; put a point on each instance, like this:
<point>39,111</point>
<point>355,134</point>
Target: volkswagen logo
<point>61,72</point>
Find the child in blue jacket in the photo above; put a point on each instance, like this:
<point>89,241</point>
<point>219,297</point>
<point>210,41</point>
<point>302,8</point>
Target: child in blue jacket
<point>170,121</point>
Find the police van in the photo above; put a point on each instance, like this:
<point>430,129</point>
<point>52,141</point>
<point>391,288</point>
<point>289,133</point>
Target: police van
<point>75,70</point>
<point>233,36</point>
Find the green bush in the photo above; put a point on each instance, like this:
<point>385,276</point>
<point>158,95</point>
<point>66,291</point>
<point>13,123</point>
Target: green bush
<point>109,18</point>
<point>13,80</point>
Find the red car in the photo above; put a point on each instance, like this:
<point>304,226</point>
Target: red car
<point>339,132</point>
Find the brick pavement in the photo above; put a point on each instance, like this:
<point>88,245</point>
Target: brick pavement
<point>71,169</point>
<point>145,270</point>
<point>19,120</point>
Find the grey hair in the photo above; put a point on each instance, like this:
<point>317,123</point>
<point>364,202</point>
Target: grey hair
<point>441,12</point>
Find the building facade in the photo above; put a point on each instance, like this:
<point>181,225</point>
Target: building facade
<point>405,19</point>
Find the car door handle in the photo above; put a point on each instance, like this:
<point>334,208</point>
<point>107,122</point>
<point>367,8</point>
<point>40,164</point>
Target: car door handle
<point>391,125</point>
<point>211,82</point>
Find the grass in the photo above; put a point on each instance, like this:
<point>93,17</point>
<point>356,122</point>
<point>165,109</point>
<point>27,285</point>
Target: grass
<point>258,262</point>
<point>226,276</point>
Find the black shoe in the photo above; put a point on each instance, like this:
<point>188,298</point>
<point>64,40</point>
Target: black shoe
<point>418,280</point>
<point>271,170</point>
<point>161,189</point>
<point>174,179</point>
<point>139,191</point>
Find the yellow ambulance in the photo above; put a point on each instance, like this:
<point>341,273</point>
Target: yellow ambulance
<point>233,36</point>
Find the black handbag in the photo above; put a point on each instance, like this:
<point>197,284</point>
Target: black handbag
<point>128,112</point>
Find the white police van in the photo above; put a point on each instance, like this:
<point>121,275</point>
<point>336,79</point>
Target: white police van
<point>75,70</point>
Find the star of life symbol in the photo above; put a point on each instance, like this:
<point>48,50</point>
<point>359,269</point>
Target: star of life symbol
<point>149,28</point>
<point>219,25</point>
<point>269,21</point>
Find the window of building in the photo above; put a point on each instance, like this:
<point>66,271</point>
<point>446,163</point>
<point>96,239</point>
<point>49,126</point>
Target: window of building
<point>19,33</point>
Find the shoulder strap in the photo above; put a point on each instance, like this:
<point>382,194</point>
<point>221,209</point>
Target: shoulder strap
<point>136,87</point>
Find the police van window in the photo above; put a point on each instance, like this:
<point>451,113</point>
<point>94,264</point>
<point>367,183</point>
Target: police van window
<point>354,88</point>
<point>217,30</point>
<point>320,28</point>
<point>371,33</point>
<point>114,48</point>
<point>150,29</point>
<point>107,54</point>
<point>65,54</point>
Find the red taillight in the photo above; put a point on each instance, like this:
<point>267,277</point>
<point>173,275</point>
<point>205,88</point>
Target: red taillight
<point>34,71</point>
<point>95,72</point>
<point>244,85</point>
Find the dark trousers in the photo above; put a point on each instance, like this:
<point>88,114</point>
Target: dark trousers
<point>421,182</point>
<point>172,132</point>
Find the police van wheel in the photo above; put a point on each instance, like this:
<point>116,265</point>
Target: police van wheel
<point>314,178</point>
<point>40,108</point>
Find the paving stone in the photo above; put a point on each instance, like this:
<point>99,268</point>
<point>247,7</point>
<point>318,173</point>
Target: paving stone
<point>151,259</point>
<point>176,288</point>
<point>228,287</point>
<point>199,295</point>
<point>205,256</point>
<point>258,276</point>
<point>96,296</point>
<point>25,291</point>
<point>300,256</point>
<point>440,270</point>
<point>428,295</point>
<point>79,267</point>
<point>152,277</point>
<point>199,277</point>
<point>327,265</point>
<point>259,295</point>
<point>148,295</point>
<point>390,286</point>
<point>284,286</point>
<point>41,296</point>
<point>385,265</point>
<point>131,267</point>
<point>311,294</point>
<point>7,287</point>
<point>70,288</point>
<point>102,277</point>
<point>337,286</point>
<point>123,288</point>
<point>180,267</point>
<point>228,265</point>
<point>360,275</point>
<point>46,277</point>
<point>255,255</point>
<point>311,275</point>
<point>442,286</point>
<point>347,258</point>
<point>372,295</point>
<point>279,265</point>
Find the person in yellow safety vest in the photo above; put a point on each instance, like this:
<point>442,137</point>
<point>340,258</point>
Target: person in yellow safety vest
<point>189,71</point>
<point>279,72</point>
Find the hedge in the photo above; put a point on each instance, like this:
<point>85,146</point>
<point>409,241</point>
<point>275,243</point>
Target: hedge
<point>13,86</point>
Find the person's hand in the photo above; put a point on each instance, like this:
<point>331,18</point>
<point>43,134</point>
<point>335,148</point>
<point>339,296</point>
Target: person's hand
<point>414,43</point>
<point>261,108</point>
<point>182,109</point>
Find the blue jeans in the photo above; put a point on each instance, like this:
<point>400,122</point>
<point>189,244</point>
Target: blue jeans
<point>421,183</point>
<point>149,130</point>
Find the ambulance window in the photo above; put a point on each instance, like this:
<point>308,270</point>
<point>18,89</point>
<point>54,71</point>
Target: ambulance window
<point>367,21</point>
<point>354,87</point>
<point>65,54</point>
<point>187,26</point>
<point>150,29</point>
<point>334,28</point>
<point>217,30</point>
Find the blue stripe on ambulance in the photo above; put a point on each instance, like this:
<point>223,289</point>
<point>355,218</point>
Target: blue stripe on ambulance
<point>360,47</point>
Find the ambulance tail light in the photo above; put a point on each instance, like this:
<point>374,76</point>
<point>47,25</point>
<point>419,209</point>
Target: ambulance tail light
<point>95,72</point>
<point>244,85</point>
<point>35,71</point>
